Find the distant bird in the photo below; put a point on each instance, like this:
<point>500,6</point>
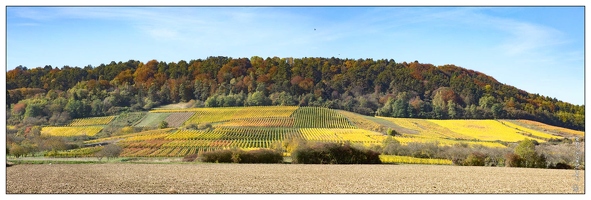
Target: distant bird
<point>314,29</point>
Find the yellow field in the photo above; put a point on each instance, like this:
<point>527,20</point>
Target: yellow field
<point>427,128</point>
<point>185,135</point>
<point>264,126</point>
<point>92,121</point>
<point>71,131</point>
<point>150,135</point>
<point>261,122</point>
<point>550,128</point>
<point>487,130</point>
<point>529,131</point>
<point>361,122</point>
<point>413,160</point>
<point>210,115</point>
<point>264,112</point>
<point>74,153</point>
<point>341,135</point>
<point>446,142</point>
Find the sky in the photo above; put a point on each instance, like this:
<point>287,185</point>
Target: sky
<point>536,49</point>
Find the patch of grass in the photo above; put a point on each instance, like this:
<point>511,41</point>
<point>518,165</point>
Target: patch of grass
<point>152,119</point>
<point>18,162</point>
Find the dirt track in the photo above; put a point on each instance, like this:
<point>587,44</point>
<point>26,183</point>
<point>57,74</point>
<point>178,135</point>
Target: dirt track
<point>284,178</point>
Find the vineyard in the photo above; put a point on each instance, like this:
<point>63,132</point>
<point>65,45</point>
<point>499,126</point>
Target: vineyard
<point>92,121</point>
<point>341,135</point>
<point>448,131</point>
<point>405,140</point>
<point>413,160</point>
<point>547,128</point>
<point>127,119</point>
<point>71,131</point>
<point>527,131</point>
<point>363,122</point>
<point>270,126</point>
<point>316,117</point>
<point>486,130</point>
<point>426,128</point>
<point>177,119</point>
<point>75,153</point>
<point>152,119</point>
<point>212,115</point>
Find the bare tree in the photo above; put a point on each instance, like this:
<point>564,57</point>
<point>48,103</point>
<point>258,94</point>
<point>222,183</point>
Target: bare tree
<point>110,151</point>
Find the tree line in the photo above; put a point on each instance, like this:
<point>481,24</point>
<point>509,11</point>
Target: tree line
<point>52,95</point>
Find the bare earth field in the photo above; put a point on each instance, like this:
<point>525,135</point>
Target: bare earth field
<point>284,178</point>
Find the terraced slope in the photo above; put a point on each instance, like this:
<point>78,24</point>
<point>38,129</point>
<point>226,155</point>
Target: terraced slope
<point>271,126</point>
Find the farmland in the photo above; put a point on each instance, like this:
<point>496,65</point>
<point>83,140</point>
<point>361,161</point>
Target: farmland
<point>92,121</point>
<point>268,126</point>
<point>152,119</point>
<point>285,179</point>
<point>71,131</point>
<point>195,130</point>
<point>548,128</point>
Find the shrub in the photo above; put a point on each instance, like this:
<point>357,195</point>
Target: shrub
<point>261,156</point>
<point>205,126</point>
<point>527,152</point>
<point>221,156</point>
<point>18,151</point>
<point>475,159</point>
<point>334,153</point>
<point>561,166</point>
<point>513,160</point>
<point>392,132</point>
<point>391,146</point>
<point>110,151</point>
<point>163,124</point>
<point>240,156</point>
<point>192,126</point>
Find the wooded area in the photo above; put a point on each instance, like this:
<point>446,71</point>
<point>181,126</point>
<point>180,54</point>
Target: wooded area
<point>52,95</point>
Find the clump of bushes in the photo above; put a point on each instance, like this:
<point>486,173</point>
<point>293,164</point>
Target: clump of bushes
<point>240,156</point>
<point>475,159</point>
<point>334,153</point>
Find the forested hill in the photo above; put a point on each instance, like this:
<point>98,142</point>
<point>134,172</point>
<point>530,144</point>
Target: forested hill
<point>50,95</point>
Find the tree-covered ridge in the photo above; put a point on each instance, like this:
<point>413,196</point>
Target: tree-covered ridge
<point>50,95</point>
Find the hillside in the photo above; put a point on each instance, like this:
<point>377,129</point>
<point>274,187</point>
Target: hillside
<point>52,96</point>
<point>206,129</point>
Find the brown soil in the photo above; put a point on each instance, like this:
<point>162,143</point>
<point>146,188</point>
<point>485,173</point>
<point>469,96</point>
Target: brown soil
<point>285,178</point>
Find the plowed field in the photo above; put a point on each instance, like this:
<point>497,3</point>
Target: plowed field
<point>284,178</point>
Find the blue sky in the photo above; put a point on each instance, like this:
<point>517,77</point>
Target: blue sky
<point>537,49</point>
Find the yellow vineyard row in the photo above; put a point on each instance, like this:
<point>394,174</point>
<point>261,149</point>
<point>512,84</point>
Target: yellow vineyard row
<point>71,131</point>
<point>92,121</point>
<point>413,160</point>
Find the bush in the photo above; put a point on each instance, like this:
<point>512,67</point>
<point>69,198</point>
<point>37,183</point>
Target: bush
<point>109,151</point>
<point>192,126</point>
<point>561,166</point>
<point>333,153</point>
<point>205,126</point>
<point>391,146</point>
<point>240,156</point>
<point>218,156</point>
<point>513,160</point>
<point>475,159</point>
<point>163,124</point>
<point>261,156</point>
<point>392,132</point>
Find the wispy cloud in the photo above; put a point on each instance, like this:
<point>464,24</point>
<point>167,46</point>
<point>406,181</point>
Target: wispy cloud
<point>27,24</point>
<point>525,38</point>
